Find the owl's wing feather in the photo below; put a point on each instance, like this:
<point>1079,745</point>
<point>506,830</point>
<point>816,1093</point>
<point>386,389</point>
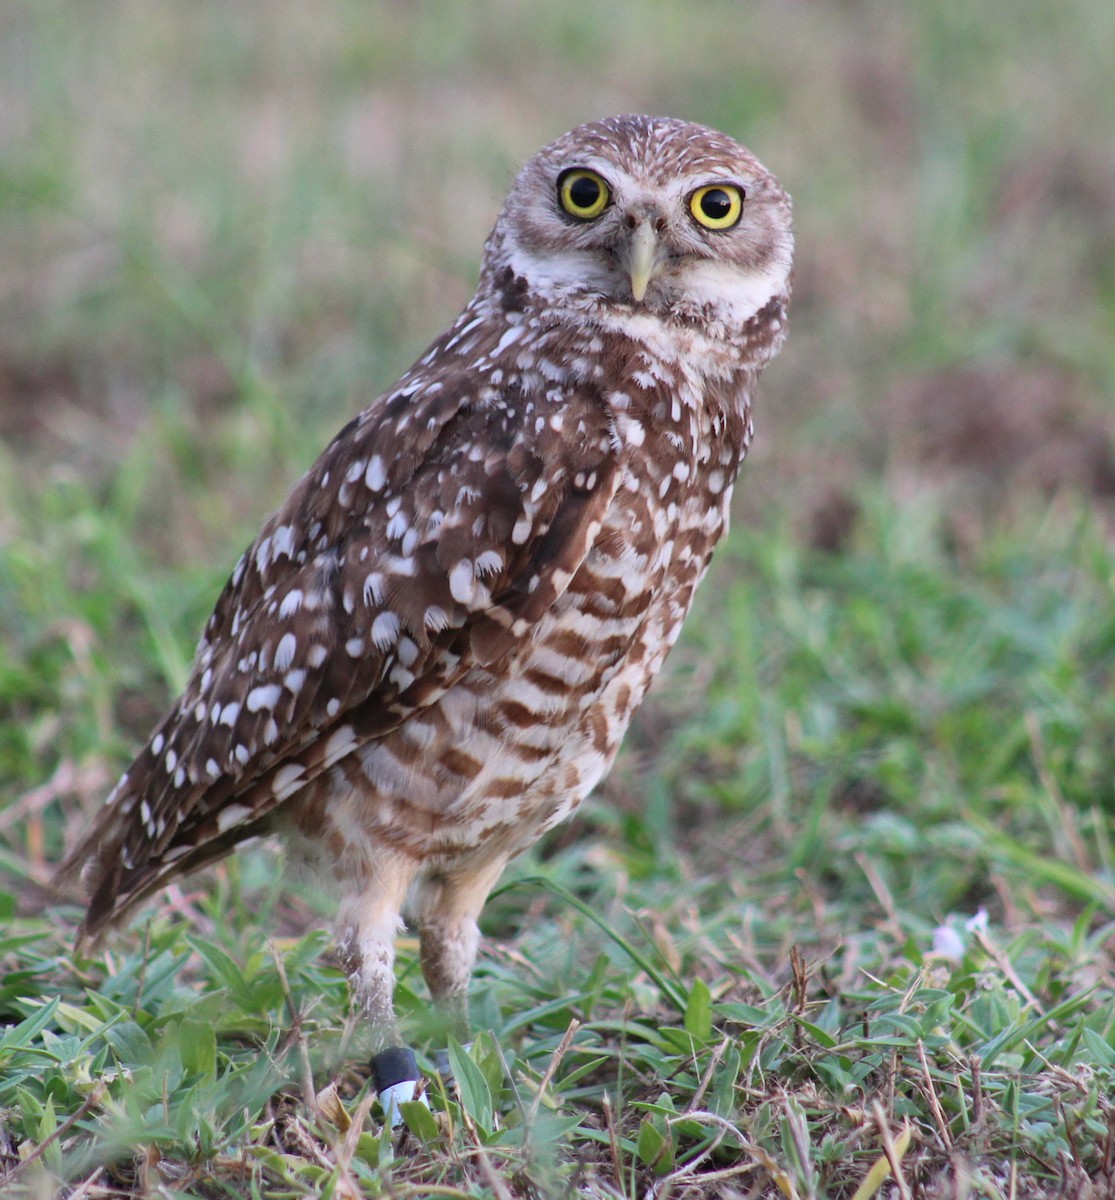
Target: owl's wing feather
<point>428,538</point>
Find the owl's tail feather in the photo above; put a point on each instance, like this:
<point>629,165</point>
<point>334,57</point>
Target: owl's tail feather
<point>115,890</point>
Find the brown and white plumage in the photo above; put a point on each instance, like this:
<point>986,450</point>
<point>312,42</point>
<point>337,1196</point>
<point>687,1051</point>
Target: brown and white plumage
<point>430,654</point>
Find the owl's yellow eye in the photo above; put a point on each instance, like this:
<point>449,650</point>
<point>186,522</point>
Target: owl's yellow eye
<point>583,194</point>
<point>717,206</point>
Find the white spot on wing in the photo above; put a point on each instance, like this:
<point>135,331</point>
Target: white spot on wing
<point>373,588</point>
<point>510,336</point>
<point>282,542</point>
<point>462,582</point>
<point>385,629</point>
<point>292,602</point>
<point>376,475</point>
<point>288,779</point>
<point>232,815</point>
<point>284,651</point>
<point>340,743</point>
<point>400,677</point>
<point>436,618</point>
<point>265,696</point>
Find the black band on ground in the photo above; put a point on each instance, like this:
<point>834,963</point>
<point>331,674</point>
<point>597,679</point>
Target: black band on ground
<point>394,1065</point>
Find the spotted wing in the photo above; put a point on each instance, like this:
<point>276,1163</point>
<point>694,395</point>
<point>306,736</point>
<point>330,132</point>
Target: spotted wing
<point>429,537</point>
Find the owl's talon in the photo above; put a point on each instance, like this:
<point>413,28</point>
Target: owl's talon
<point>443,1066</point>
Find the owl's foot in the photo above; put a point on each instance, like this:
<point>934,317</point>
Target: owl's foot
<point>441,1062</point>
<point>396,1076</point>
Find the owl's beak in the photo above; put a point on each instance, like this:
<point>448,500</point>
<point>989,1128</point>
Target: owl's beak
<point>641,255</point>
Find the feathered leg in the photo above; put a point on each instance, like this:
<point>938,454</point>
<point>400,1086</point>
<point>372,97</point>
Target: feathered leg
<point>368,923</point>
<point>446,910</point>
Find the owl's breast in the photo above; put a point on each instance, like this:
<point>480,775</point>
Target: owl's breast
<point>515,745</point>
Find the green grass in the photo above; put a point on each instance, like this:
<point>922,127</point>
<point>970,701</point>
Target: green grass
<point>927,737</point>
<point>891,711</point>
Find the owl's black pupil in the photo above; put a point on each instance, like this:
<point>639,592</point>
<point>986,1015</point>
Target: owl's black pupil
<point>584,192</point>
<point>716,204</point>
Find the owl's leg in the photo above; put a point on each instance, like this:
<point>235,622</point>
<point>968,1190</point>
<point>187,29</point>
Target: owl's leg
<point>446,909</point>
<point>368,923</point>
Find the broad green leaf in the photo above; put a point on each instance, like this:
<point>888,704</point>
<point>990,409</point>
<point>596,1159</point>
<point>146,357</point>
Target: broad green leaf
<point>197,1045</point>
<point>698,1011</point>
<point>420,1121</point>
<point>476,1099</point>
<point>654,1147</point>
<point>20,1036</point>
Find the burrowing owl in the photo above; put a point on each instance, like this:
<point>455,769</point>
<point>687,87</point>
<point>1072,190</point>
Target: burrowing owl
<point>431,652</point>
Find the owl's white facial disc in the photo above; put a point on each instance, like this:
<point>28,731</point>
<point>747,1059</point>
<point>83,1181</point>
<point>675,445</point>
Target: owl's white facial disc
<point>641,241</point>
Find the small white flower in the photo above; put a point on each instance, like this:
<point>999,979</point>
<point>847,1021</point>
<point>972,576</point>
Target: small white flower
<point>978,923</point>
<point>949,940</point>
<point>947,943</point>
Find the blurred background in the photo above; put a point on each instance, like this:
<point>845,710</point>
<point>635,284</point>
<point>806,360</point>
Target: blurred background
<point>225,226</point>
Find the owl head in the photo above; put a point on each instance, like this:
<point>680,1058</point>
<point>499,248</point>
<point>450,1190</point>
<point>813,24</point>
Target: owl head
<point>655,214</point>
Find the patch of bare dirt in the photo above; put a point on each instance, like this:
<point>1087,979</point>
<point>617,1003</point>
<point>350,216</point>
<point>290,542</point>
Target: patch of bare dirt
<point>999,426</point>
